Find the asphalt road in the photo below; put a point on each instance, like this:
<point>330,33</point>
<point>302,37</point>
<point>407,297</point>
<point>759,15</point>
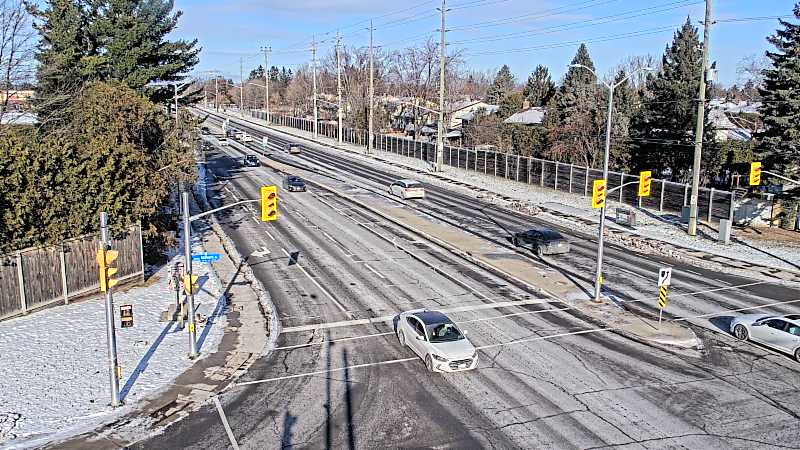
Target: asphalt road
<point>547,378</point>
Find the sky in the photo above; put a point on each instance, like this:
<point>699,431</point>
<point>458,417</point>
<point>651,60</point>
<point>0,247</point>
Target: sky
<point>488,33</point>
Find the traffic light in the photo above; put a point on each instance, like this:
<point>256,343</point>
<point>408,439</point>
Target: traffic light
<point>755,173</point>
<point>104,259</point>
<point>269,203</point>
<point>190,284</point>
<point>645,183</point>
<point>599,194</point>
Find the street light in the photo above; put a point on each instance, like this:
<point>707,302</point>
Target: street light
<point>598,280</point>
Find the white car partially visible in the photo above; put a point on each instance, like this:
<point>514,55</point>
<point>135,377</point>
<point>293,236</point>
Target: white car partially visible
<point>779,332</point>
<point>437,340</point>
<point>406,189</point>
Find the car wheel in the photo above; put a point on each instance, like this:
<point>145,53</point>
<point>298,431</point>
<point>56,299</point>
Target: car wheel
<point>740,331</point>
<point>539,252</point>
<point>429,363</point>
<point>402,338</point>
<point>515,241</point>
<point>797,355</point>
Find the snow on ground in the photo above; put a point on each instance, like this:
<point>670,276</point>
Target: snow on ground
<point>662,226</point>
<point>54,367</point>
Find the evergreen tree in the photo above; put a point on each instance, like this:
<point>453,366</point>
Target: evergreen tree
<point>257,73</point>
<point>779,143</point>
<point>574,120</point>
<point>510,103</point>
<point>664,131</point>
<point>539,88</point>
<point>625,108</point>
<point>502,85</point>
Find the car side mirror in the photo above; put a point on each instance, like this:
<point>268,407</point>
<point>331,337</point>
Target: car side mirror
<point>420,338</point>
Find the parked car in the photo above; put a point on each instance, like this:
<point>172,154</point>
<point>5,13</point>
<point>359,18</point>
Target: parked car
<point>406,189</point>
<point>251,161</point>
<point>293,149</point>
<point>223,141</point>
<point>437,340</point>
<point>779,332</point>
<point>294,183</point>
<point>541,241</point>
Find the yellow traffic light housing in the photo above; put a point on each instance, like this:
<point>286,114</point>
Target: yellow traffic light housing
<point>755,173</point>
<point>645,183</point>
<point>598,194</point>
<point>190,284</point>
<point>269,203</point>
<point>104,259</point>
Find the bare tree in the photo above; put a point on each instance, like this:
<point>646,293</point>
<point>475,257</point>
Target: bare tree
<point>16,50</point>
<point>751,75</point>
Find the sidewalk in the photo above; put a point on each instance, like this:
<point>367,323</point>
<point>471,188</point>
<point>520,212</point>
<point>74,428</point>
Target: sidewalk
<point>655,230</point>
<point>54,362</point>
<point>55,390</point>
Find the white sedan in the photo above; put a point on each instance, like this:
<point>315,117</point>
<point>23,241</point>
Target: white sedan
<point>406,189</point>
<point>779,332</point>
<point>437,340</point>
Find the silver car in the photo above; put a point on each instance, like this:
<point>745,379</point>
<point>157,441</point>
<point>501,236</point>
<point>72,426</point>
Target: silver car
<point>541,241</point>
<point>779,332</point>
<point>437,340</point>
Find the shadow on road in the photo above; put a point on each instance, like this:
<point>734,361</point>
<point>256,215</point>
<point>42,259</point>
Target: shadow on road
<point>351,437</point>
<point>723,323</point>
<point>288,423</point>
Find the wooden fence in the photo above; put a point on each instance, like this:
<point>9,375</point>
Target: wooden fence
<point>40,276</point>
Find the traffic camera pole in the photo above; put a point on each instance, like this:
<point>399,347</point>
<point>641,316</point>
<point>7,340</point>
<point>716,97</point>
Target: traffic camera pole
<point>187,256</point>
<point>111,333</point>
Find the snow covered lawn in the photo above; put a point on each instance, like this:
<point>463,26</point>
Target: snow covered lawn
<point>54,368</point>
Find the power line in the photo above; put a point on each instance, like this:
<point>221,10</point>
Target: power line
<point>536,15</point>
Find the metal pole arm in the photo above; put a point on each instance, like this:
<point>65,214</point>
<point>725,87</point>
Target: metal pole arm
<point>621,186</point>
<point>203,214</point>
<point>780,176</point>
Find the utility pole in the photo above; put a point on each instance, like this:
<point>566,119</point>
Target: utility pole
<point>314,80</point>
<point>216,93</point>
<point>241,87</point>
<point>187,256</point>
<point>698,134</point>
<point>339,83</point>
<point>111,332</point>
<point>267,51</point>
<point>371,88</point>
<point>440,136</point>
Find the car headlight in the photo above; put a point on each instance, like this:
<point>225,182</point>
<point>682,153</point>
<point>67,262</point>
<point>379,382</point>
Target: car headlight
<point>439,358</point>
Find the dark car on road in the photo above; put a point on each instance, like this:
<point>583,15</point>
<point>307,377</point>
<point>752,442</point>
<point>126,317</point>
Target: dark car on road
<point>542,241</point>
<point>293,149</point>
<point>251,161</point>
<point>294,183</point>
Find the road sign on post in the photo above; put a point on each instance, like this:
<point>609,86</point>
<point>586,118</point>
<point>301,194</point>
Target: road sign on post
<point>755,173</point>
<point>664,280</point>
<point>598,194</point>
<point>665,276</point>
<point>126,315</point>
<point>645,183</point>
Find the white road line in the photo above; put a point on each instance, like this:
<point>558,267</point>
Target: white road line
<point>692,272</point>
<point>339,305</point>
<point>255,219</point>
<point>268,233</point>
<point>329,341</point>
<point>381,319</point>
<point>374,271</point>
<point>723,282</point>
<point>322,372</point>
<point>225,423</point>
<point>236,197</point>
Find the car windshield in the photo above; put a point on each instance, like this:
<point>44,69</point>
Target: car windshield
<point>445,332</point>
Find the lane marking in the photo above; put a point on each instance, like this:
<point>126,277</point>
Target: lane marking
<point>338,305</point>
<point>381,319</point>
<point>236,197</point>
<point>365,336</point>
<point>692,272</point>
<point>268,233</point>
<point>723,282</point>
<point>322,372</point>
<point>225,423</point>
<point>374,271</point>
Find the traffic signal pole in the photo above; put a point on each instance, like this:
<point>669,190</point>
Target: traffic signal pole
<point>598,280</point>
<point>111,333</point>
<point>187,255</point>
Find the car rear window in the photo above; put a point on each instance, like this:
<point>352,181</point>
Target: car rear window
<point>413,185</point>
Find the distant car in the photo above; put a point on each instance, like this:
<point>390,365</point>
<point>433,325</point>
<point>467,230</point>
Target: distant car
<point>251,161</point>
<point>247,138</point>
<point>406,189</point>
<point>293,149</point>
<point>223,141</point>
<point>294,183</point>
<point>239,135</point>
<point>541,241</point>
<point>437,340</point>
<point>204,130</point>
<point>779,332</point>
<point>231,132</point>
